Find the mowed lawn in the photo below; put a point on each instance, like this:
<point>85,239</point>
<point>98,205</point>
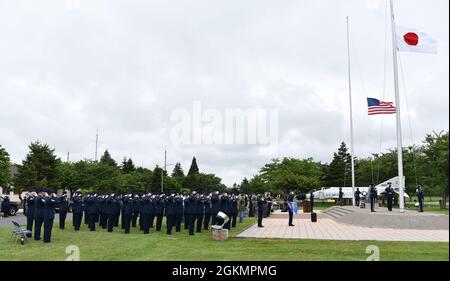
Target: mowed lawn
<point>104,246</point>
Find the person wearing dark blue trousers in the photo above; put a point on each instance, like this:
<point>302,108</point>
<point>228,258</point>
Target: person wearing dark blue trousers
<point>30,211</point>
<point>200,213</point>
<point>49,214</point>
<point>127,212</point>
<point>357,197</point>
<point>261,205</point>
<point>146,211</point>
<point>78,208</point>
<point>389,196</point>
<point>290,201</point>
<point>421,197</point>
<point>38,215</point>
<point>91,211</point>
<point>178,212</point>
<point>136,203</point>
<point>373,195</point>
<point>110,211</point>
<point>224,208</point>
<point>159,211</point>
<point>186,211</point>
<point>193,209</point>
<point>5,206</point>
<point>234,211</point>
<point>215,207</point>
<point>170,213</point>
<point>207,206</point>
<point>117,208</point>
<point>63,205</point>
<point>103,216</point>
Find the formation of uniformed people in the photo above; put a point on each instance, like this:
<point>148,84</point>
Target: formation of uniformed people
<point>40,211</point>
<point>389,194</point>
<point>196,211</point>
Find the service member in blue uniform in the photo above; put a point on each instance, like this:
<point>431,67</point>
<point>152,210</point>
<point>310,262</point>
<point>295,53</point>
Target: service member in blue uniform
<point>341,197</point>
<point>373,195</point>
<point>215,207</point>
<point>77,209</point>
<point>146,211</point>
<point>6,206</point>
<point>136,203</point>
<point>357,197</point>
<point>269,202</point>
<point>117,208</point>
<point>261,206</point>
<point>39,208</point>
<point>193,201</point>
<point>224,208</point>
<point>159,211</point>
<point>169,204</point>
<point>186,211</point>
<point>178,212</point>
<point>389,196</point>
<point>30,210</point>
<point>110,211</point>
<point>103,216</point>
<point>63,205</point>
<point>420,196</point>
<point>49,214</point>
<point>234,210</point>
<point>91,210</point>
<point>127,212</point>
<point>290,201</point>
<point>200,213</point>
<point>207,207</point>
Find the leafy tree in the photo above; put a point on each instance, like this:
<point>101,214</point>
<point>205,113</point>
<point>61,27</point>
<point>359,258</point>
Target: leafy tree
<point>339,168</point>
<point>245,186</point>
<point>435,161</point>
<point>178,172</point>
<point>204,183</point>
<point>128,165</point>
<point>157,178</point>
<point>257,185</point>
<point>39,169</point>
<point>106,177</point>
<point>5,165</point>
<point>287,175</point>
<point>107,159</point>
<point>194,167</point>
<point>76,176</point>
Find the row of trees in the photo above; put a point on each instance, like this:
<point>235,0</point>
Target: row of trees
<point>42,168</point>
<point>426,164</point>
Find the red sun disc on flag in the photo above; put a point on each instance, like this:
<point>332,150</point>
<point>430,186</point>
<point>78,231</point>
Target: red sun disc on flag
<point>411,38</point>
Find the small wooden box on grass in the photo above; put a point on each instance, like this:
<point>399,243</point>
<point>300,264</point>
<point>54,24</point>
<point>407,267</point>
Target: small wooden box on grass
<point>220,234</point>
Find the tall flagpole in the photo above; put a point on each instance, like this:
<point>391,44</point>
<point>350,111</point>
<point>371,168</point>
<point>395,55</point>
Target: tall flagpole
<point>351,115</point>
<point>399,123</point>
<point>96,145</point>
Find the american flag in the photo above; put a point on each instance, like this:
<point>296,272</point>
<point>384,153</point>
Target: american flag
<point>377,107</point>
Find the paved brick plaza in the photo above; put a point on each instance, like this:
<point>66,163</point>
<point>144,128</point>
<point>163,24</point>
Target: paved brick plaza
<point>328,229</point>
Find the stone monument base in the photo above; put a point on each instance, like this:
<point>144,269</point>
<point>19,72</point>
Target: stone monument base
<point>220,234</point>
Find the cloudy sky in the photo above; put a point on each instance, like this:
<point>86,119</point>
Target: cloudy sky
<point>124,67</point>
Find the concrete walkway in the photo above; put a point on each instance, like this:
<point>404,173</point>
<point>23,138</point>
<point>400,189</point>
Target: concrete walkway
<point>328,229</point>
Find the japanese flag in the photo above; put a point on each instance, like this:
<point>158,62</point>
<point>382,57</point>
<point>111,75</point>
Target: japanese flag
<point>411,40</point>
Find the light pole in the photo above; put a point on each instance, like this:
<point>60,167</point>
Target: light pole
<point>164,170</point>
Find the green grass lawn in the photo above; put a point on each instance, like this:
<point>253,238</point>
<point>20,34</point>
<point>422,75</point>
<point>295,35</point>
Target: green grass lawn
<point>430,209</point>
<point>103,246</point>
